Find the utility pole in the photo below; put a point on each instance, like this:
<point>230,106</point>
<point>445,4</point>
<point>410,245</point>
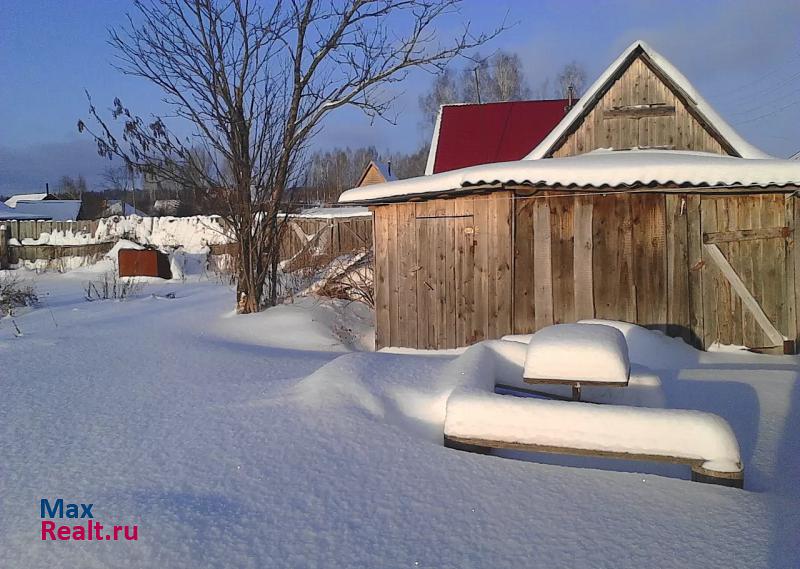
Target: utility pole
<point>477,85</point>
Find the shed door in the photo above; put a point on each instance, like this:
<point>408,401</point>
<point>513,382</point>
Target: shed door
<point>746,257</point>
<point>445,276</point>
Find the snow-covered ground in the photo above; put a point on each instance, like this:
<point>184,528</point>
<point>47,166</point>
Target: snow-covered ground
<point>269,440</point>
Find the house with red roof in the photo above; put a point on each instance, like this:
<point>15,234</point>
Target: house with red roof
<point>470,134</point>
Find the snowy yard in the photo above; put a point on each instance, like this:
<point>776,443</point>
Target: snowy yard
<point>270,440</point>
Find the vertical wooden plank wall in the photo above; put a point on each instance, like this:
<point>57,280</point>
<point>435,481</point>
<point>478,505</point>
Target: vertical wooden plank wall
<point>453,272</point>
<point>443,271</point>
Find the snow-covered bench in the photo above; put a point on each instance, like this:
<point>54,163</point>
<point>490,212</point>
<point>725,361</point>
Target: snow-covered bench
<point>479,421</point>
<point>577,355</point>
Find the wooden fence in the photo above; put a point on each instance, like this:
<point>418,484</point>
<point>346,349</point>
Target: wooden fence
<point>329,236</point>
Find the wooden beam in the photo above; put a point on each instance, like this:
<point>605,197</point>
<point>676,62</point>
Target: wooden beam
<point>739,287</point>
<point>747,235</point>
<point>639,111</point>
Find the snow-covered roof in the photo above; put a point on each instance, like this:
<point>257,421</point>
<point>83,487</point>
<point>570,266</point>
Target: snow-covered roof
<point>598,169</point>
<point>333,212</point>
<point>57,210</point>
<point>9,213</point>
<point>679,81</point>
<point>119,207</point>
<point>12,201</point>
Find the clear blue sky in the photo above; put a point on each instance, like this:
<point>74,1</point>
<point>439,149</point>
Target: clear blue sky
<point>744,56</point>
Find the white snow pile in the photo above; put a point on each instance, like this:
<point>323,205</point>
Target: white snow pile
<point>692,435</point>
<point>578,352</point>
<point>192,233</point>
<point>251,441</point>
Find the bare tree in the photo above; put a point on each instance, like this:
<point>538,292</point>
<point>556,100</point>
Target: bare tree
<point>255,84</point>
<point>486,80</point>
<point>572,75</point>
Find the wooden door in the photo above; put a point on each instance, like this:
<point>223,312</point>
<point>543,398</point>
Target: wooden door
<point>445,277</point>
<point>748,295</point>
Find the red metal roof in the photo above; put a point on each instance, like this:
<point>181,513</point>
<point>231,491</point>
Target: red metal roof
<point>493,132</point>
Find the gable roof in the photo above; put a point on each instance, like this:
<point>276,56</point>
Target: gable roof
<point>471,134</point>
<point>674,80</point>
<point>12,201</point>
<point>57,210</point>
<point>383,170</point>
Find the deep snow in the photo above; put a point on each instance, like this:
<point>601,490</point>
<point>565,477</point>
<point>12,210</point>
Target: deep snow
<point>257,441</point>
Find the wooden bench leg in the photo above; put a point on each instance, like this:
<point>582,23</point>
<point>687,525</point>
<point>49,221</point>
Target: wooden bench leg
<point>449,443</point>
<point>730,479</point>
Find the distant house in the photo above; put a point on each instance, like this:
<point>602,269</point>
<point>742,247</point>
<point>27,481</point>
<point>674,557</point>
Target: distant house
<point>166,207</point>
<point>376,173</point>
<point>49,208</point>
<point>472,134</point>
<point>641,204</point>
<point>120,207</point>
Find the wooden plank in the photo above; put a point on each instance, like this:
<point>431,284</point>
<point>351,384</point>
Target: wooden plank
<point>406,274</point>
<point>502,259</point>
<point>639,112</point>
<point>649,258</point>
<point>795,254</point>
<point>480,321</point>
<point>382,293</point>
<point>715,254</point>
<point>729,307</point>
<point>711,278</point>
<point>542,273</point>
<point>562,262</point>
<point>694,243</point>
<point>465,270</point>
<point>614,292</point>
<point>451,260</point>
<point>524,305</point>
<point>677,251</point>
<point>424,286</point>
<point>747,234</point>
<point>391,272</point>
<point>582,258</point>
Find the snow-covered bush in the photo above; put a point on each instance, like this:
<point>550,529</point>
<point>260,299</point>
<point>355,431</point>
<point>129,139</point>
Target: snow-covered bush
<point>112,287</point>
<point>15,293</point>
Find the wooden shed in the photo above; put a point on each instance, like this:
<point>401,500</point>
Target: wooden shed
<point>641,205</point>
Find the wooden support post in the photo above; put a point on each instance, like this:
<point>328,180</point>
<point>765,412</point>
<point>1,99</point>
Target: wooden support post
<point>576,392</point>
<point>4,253</point>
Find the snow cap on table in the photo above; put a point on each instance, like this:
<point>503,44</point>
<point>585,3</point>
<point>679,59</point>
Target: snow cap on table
<point>578,352</point>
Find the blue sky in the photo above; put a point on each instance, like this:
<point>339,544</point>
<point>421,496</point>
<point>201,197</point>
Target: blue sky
<point>743,56</point>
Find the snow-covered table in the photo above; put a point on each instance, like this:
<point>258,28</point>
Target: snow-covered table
<point>577,355</point>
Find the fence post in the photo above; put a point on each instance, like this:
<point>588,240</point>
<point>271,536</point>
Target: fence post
<point>3,247</point>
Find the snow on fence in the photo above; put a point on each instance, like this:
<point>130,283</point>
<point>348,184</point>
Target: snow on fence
<point>336,232</point>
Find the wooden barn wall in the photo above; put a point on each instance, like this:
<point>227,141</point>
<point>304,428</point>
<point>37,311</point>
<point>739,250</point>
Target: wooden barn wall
<point>443,271</point>
<point>606,128</point>
<point>452,272</point>
<point>644,258</point>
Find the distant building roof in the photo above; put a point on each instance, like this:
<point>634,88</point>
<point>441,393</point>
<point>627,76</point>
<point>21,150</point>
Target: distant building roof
<point>119,207</point>
<point>376,173</point>
<point>472,134</point>
<point>57,210</point>
<point>9,213</point>
<point>12,201</point>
